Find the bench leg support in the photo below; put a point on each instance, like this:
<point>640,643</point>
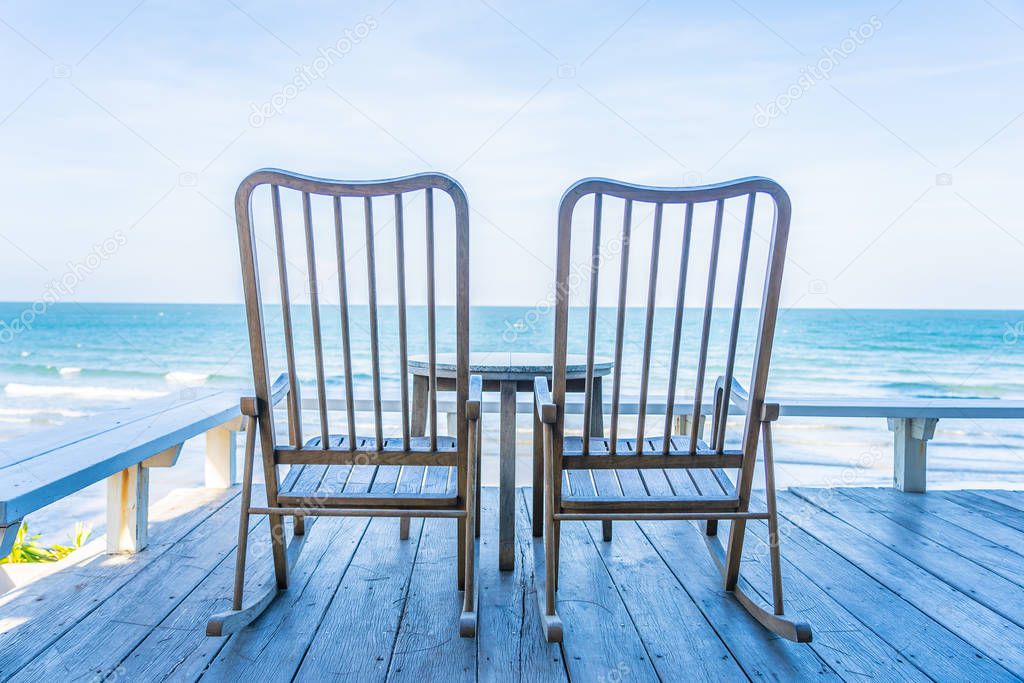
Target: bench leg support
<point>128,510</point>
<point>683,424</point>
<point>7,535</point>
<point>220,471</point>
<point>910,451</point>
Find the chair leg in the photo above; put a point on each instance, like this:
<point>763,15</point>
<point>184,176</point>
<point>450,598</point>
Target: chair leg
<point>550,569</point>
<point>299,525</point>
<point>606,530</point>
<point>773,520</point>
<point>461,552</point>
<point>403,528</point>
<point>537,513</point>
<point>277,545</point>
<point>467,621</point>
<point>479,479</point>
<point>550,621</point>
<point>243,516</point>
<point>729,563</point>
<point>711,527</point>
<point>558,549</point>
<point>238,617</point>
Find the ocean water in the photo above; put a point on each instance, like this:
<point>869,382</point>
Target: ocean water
<point>73,360</point>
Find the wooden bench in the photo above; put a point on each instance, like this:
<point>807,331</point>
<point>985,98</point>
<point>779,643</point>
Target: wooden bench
<point>911,420</point>
<point>119,446</point>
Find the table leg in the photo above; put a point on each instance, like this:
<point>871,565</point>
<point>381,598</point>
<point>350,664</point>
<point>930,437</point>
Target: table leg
<point>597,410</point>
<point>420,390</point>
<point>507,478</point>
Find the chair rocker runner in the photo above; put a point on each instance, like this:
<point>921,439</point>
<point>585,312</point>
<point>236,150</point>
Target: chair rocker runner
<point>344,474</point>
<point>674,474</point>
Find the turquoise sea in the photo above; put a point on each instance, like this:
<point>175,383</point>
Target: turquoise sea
<point>71,360</point>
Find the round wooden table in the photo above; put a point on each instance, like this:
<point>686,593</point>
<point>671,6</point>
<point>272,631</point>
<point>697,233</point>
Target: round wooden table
<point>506,373</point>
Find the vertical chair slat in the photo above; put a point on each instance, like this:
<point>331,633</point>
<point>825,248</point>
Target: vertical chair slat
<point>346,347</point>
<point>677,330</point>
<point>403,349</point>
<point>645,367</point>
<point>294,399</point>
<point>595,264</point>
<point>620,322</point>
<point>431,321</point>
<point>314,307</point>
<point>371,276</point>
<point>705,334</point>
<point>734,329</point>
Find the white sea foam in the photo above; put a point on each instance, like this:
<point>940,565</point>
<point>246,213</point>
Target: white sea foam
<point>69,371</point>
<point>79,392</point>
<point>30,412</point>
<point>186,378</point>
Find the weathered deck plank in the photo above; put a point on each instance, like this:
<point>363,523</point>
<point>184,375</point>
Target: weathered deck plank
<point>970,620</point>
<point>658,603</point>
<point>982,550</point>
<point>840,639</point>
<point>1013,499</point>
<point>897,586</point>
<point>987,530</point>
<point>1001,595</point>
<point>357,634</point>
<point>95,646</point>
<point>602,642</point>
<point>293,619</point>
<point>34,616</point>
<point>761,655</point>
<point>510,646</point>
<point>178,647</point>
<point>938,652</point>
<point>428,647</point>
<point>995,508</point>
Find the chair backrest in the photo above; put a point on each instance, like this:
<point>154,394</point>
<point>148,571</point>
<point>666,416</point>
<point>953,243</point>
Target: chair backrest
<point>568,279</point>
<point>329,196</point>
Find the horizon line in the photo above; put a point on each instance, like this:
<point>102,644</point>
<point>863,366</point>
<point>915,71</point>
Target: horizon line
<point>519,306</point>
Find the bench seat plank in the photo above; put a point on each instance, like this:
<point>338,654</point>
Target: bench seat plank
<point>36,444</point>
<point>32,479</point>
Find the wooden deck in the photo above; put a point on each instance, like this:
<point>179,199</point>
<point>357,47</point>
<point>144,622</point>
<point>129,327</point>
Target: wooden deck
<point>897,586</point>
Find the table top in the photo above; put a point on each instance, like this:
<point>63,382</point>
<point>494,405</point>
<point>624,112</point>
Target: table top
<point>509,365</point>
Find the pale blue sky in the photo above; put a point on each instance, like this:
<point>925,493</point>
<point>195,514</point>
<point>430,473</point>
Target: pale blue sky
<point>138,117</point>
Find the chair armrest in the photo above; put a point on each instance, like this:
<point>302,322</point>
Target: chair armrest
<point>547,410</point>
<point>738,396</point>
<point>770,411</point>
<point>277,392</point>
<point>476,390</point>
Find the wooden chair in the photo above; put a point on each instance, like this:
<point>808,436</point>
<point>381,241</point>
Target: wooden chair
<point>667,475</point>
<point>344,474</point>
